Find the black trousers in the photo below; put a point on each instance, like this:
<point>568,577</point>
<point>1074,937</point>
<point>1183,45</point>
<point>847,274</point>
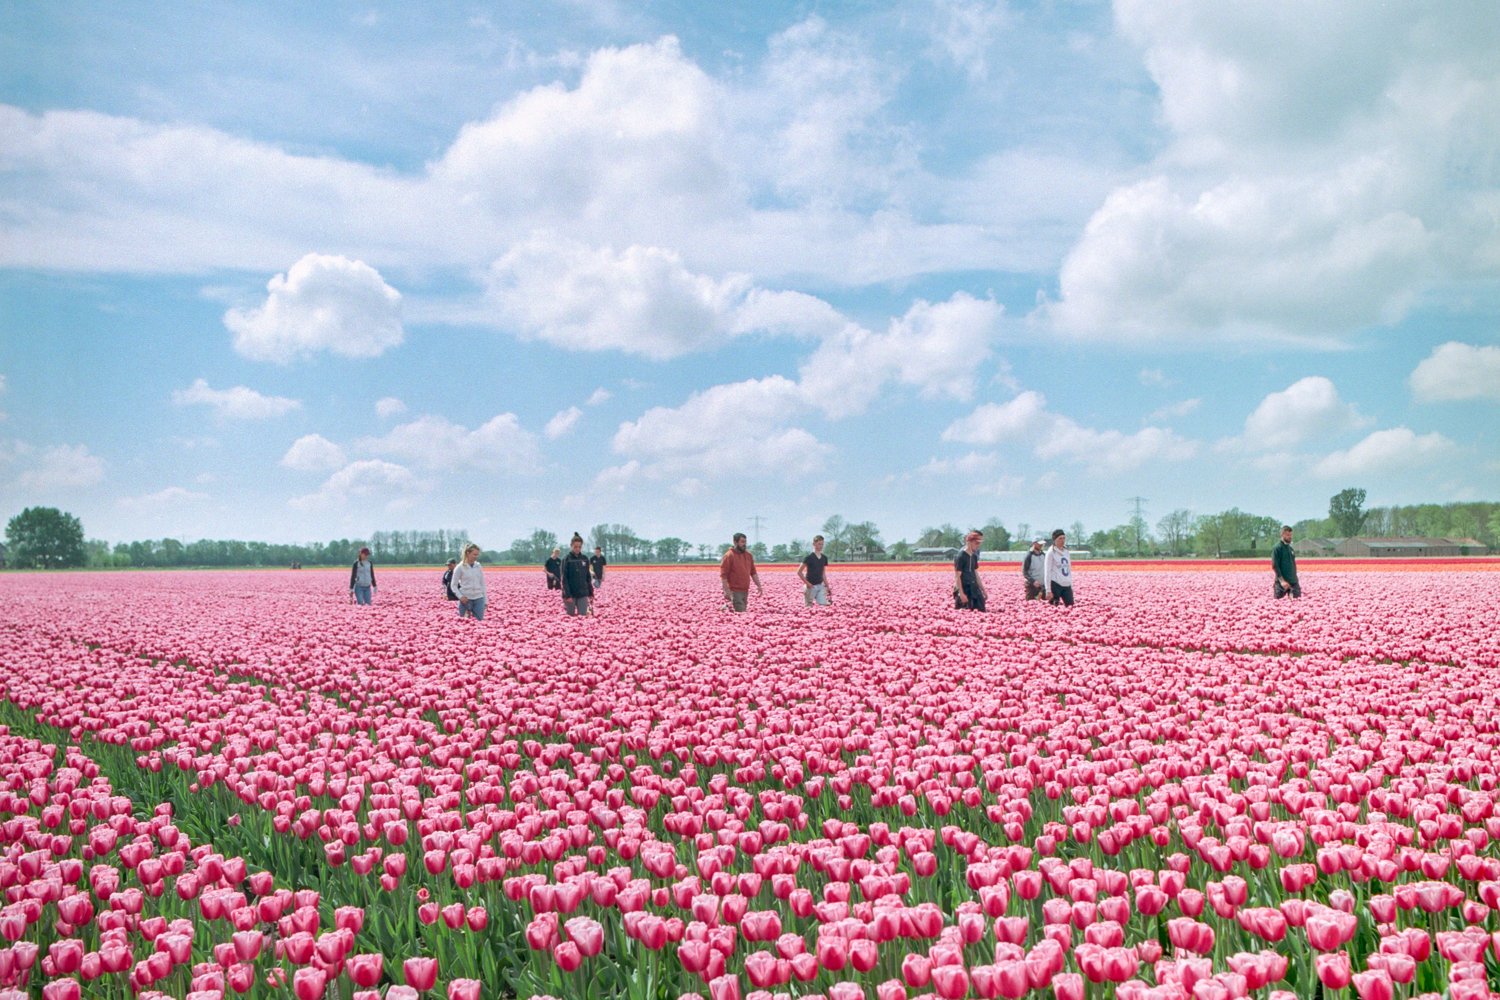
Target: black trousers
<point>1064,594</point>
<point>1278,591</point>
<point>1033,590</point>
<point>975,600</point>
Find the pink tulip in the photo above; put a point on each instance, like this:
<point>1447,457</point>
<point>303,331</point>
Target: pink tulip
<point>419,973</point>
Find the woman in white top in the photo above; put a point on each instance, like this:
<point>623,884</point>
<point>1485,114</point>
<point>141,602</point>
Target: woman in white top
<point>468,584</point>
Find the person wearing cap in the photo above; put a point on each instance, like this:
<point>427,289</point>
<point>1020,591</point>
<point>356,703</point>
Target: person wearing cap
<point>1032,571</point>
<point>448,580</point>
<point>577,584</point>
<point>737,572</point>
<point>968,589</point>
<point>362,578</point>
<point>1284,565</point>
<point>1057,570</point>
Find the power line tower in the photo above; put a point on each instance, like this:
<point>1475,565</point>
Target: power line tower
<point>1137,521</point>
<point>755,521</point>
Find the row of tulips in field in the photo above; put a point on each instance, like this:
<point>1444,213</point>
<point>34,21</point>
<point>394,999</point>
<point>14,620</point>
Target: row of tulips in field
<point>808,814</point>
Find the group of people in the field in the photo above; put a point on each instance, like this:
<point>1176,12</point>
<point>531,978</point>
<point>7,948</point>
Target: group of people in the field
<point>1046,574</point>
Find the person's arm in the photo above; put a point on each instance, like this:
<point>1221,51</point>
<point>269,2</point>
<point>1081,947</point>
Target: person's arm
<point>1047,576</point>
<point>724,574</point>
<point>353,573</point>
<point>958,578</point>
<point>372,576</point>
<point>827,587</point>
<point>802,573</point>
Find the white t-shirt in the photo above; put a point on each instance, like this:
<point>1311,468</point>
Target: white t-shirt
<point>1058,569</point>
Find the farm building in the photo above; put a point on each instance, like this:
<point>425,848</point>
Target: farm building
<point>1376,548</point>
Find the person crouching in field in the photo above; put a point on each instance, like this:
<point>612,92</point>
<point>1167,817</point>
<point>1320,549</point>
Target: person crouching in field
<point>576,579</point>
<point>468,584</point>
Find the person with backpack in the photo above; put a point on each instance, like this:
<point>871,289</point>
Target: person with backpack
<point>362,578</point>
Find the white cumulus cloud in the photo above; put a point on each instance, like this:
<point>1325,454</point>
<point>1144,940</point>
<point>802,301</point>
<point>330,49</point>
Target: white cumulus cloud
<point>500,444</point>
<point>935,347</point>
<point>1026,420</point>
<point>371,482</point>
<point>168,497</point>
<point>1292,203</point>
<point>1455,371</point>
<point>62,467</point>
<point>562,422</point>
<point>735,429</point>
<point>1308,408</point>
<point>389,406</point>
<point>313,453</point>
<point>322,303</point>
<point>1398,449</point>
<point>238,403</point>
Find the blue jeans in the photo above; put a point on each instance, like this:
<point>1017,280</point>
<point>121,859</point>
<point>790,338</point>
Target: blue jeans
<point>361,595</point>
<point>815,593</point>
<point>474,607</point>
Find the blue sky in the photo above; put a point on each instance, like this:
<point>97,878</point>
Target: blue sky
<point>273,275</point>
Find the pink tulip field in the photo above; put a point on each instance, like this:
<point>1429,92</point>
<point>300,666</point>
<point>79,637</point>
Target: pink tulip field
<point>216,784</point>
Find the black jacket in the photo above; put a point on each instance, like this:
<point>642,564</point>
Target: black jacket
<point>575,576</point>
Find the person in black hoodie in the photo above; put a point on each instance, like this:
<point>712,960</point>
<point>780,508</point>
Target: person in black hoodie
<point>448,580</point>
<point>597,564</point>
<point>553,566</point>
<point>576,579</point>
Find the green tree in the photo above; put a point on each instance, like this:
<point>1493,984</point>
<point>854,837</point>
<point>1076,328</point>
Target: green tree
<point>1346,509</point>
<point>836,537</point>
<point>1175,530</point>
<point>996,538</point>
<point>944,536</point>
<point>1213,532</point>
<point>45,538</point>
<point>863,540</point>
<point>900,551</point>
<point>672,549</point>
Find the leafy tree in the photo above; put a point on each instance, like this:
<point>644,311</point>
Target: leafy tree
<point>944,536</point>
<point>1213,532</point>
<point>900,550</point>
<point>758,550</point>
<point>836,537</point>
<point>1175,530</point>
<point>863,540</point>
<point>1346,508</point>
<point>672,549</point>
<point>45,538</point>
<point>996,538</point>
<point>535,548</point>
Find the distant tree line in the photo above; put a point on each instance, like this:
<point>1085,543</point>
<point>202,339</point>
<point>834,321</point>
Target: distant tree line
<point>47,538</point>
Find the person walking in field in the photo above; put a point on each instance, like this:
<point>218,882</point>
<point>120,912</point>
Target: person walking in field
<point>968,590</point>
<point>814,576</point>
<point>1284,565</point>
<point>1031,570</point>
<point>576,579</point>
<point>737,572</point>
<point>1057,570</point>
<point>553,567</point>
<point>468,584</point>
<point>448,580</point>
<point>362,578</point>
<point>597,564</point>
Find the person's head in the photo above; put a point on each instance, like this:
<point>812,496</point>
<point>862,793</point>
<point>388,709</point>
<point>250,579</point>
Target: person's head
<point>556,553</point>
<point>364,555</point>
<point>1059,538</point>
<point>818,544</point>
<point>452,563</point>
<point>598,550</point>
<point>471,553</point>
<point>973,540</point>
<point>739,540</point>
<point>577,543</point>
<point>1036,545</point>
